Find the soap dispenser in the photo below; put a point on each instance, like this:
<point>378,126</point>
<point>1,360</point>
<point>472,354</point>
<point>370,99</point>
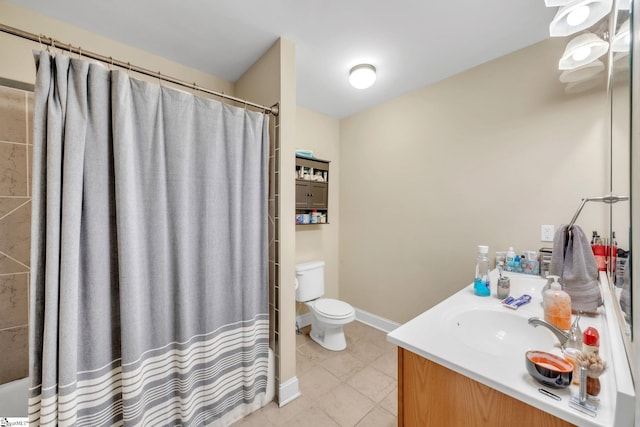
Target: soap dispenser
<point>557,305</point>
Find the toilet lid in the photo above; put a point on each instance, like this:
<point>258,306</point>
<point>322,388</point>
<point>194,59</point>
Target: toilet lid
<point>333,308</point>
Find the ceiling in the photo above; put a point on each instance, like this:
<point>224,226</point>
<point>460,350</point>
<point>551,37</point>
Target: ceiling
<point>412,43</point>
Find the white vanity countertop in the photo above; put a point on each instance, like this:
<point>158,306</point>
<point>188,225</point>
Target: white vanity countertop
<point>430,336</point>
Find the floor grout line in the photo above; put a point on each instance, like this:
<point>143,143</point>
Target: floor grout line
<point>314,371</point>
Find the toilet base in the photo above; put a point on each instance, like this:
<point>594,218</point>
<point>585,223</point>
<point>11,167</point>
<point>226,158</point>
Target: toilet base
<point>330,337</point>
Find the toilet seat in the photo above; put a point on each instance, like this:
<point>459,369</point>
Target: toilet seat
<point>333,308</point>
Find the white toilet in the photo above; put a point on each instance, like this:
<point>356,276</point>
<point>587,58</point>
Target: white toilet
<point>328,316</point>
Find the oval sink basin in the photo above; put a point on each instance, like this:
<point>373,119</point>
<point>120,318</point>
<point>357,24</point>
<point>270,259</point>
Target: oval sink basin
<point>499,332</point>
<point>525,284</point>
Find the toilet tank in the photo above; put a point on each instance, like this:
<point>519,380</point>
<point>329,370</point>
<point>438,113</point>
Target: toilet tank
<point>310,277</point>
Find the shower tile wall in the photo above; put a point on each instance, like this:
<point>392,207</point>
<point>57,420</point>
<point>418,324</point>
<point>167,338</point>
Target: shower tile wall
<point>16,108</point>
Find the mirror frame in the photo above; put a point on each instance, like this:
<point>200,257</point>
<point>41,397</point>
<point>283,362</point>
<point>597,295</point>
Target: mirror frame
<point>626,327</point>
<point>634,185</point>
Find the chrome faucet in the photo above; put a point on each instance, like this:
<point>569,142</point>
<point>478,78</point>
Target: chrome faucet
<point>562,336</point>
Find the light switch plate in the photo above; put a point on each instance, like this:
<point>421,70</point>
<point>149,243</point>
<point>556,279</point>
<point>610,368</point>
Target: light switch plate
<point>546,233</point>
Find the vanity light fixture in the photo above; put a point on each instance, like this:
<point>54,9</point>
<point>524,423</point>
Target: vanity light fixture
<point>582,50</point>
<point>578,15</point>
<point>556,3</point>
<point>622,40</point>
<point>362,76</point>
<point>582,73</point>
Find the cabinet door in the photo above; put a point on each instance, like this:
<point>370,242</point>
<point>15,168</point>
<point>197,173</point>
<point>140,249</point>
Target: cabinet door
<point>431,395</point>
<point>302,194</point>
<point>318,195</point>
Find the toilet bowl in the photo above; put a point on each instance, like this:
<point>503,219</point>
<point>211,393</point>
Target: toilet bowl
<point>328,316</point>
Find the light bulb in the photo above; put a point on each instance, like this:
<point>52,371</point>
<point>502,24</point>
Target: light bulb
<point>362,76</point>
<point>578,15</point>
<point>581,53</point>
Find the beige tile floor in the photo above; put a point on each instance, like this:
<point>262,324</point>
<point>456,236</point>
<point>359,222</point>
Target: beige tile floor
<point>356,387</point>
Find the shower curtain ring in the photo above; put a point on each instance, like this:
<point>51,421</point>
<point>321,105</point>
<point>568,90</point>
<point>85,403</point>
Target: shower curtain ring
<point>79,52</point>
<point>40,41</point>
<point>110,63</point>
<point>129,71</point>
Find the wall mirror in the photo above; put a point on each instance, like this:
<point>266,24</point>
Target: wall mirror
<point>597,60</point>
<point>619,91</point>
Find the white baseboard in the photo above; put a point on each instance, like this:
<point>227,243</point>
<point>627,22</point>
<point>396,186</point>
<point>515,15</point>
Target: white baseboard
<point>303,320</point>
<point>362,316</point>
<point>288,391</point>
<point>375,321</point>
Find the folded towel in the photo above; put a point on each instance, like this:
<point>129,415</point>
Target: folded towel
<point>305,153</point>
<point>573,261</point>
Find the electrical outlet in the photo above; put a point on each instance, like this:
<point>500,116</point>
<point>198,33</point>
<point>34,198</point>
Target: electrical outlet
<point>546,233</point>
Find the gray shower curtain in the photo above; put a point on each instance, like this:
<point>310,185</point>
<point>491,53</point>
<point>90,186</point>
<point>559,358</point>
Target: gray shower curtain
<point>149,295</point>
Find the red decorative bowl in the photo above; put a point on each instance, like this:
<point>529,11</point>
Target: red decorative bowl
<point>549,369</point>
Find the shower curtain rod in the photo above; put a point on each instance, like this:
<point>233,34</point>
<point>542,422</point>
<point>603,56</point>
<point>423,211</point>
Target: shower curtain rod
<point>56,44</point>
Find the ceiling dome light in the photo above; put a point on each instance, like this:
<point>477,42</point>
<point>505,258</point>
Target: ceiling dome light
<point>362,76</point>
<point>578,15</point>
<point>582,50</point>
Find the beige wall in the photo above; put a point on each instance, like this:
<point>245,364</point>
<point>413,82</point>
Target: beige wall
<point>484,157</point>
<point>272,79</point>
<point>321,134</point>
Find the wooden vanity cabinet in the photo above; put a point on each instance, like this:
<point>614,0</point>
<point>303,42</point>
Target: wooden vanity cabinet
<point>431,395</point>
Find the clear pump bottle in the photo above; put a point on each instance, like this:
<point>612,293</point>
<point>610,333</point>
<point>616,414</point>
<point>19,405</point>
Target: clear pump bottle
<point>482,282</point>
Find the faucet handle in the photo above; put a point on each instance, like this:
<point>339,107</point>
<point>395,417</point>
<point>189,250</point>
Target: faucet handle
<point>575,334</point>
<point>562,336</point>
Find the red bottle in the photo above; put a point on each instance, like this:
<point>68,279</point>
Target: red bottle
<point>599,251</point>
<point>590,340</point>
